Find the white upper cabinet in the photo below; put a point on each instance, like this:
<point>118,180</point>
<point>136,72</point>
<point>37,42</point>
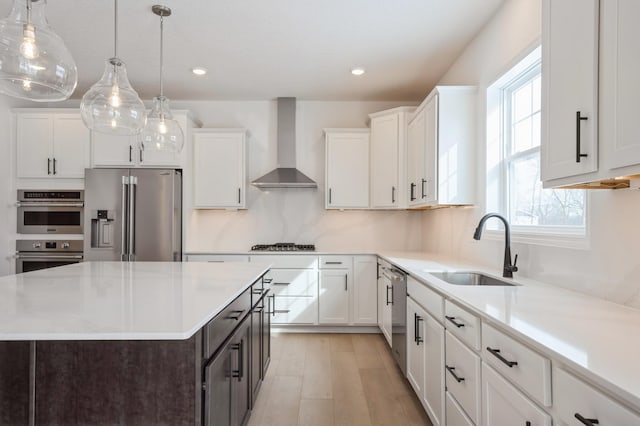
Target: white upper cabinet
<point>219,177</point>
<point>388,158</point>
<point>347,168</point>
<point>51,144</point>
<point>569,89</point>
<point>441,148</point>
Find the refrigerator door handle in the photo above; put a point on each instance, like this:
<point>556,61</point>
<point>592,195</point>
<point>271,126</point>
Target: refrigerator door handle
<point>124,255</point>
<point>133,185</point>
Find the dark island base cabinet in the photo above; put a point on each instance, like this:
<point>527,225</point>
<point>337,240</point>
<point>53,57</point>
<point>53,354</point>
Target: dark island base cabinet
<point>14,383</point>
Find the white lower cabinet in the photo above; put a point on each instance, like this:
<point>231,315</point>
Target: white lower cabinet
<point>334,296</point>
<point>463,376</point>
<point>577,403</point>
<point>384,307</point>
<point>365,295</point>
<point>302,310</point>
<point>503,404</point>
<point>455,415</point>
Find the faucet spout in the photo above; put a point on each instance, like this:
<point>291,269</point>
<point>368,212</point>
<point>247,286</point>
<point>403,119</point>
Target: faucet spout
<point>508,268</point>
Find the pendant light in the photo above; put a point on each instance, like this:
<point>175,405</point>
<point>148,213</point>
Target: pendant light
<point>111,105</point>
<point>34,62</point>
<point>162,132</point>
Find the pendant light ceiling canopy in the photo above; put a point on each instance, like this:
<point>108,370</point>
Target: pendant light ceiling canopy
<point>111,105</point>
<point>35,64</point>
<point>162,132</point>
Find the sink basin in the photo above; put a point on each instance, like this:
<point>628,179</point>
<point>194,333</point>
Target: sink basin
<point>469,278</point>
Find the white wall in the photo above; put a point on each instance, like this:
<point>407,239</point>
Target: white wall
<point>610,268</point>
<point>294,215</point>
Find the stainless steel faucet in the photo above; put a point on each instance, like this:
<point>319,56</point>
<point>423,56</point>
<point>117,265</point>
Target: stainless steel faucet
<point>508,269</point>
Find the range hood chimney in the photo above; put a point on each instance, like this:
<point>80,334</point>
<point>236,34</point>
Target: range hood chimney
<point>285,175</point>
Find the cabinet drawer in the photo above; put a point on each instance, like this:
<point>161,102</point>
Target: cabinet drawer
<point>455,414</point>
<point>287,261</point>
<point>463,376</point>
<point>427,298</point>
<point>336,262</point>
<point>463,324</point>
<point>573,397</point>
<point>293,282</point>
<point>524,367</point>
<point>295,310</point>
<point>502,403</point>
<point>221,326</point>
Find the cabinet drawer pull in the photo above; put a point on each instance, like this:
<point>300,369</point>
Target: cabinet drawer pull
<point>48,166</point>
<point>424,195</point>
<point>267,280</point>
<point>281,311</point>
<point>585,421</point>
<point>579,154</point>
<point>346,282</point>
<point>237,316</point>
<point>393,195</point>
<point>411,190</point>
<point>496,353</point>
<point>278,283</point>
<point>54,166</point>
<point>455,376</point>
<point>453,320</point>
<point>141,159</point>
<point>130,153</point>
<point>333,263</point>
<point>239,193</point>
<point>418,338</point>
<point>329,195</point>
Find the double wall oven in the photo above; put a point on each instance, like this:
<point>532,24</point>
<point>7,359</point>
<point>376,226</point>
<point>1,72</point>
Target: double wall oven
<point>47,212</point>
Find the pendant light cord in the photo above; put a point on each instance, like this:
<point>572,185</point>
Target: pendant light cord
<point>115,32</point>
<point>161,54</point>
<point>29,6</point>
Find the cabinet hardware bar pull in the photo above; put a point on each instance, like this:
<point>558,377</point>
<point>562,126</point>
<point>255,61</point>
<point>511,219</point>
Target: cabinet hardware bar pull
<point>418,338</point>
<point>48,166</point>
<point>579,118</point>
<point>273,304</point>
<point>239,192</point>
<point>267,280</point>
<point>387,295</point>
<point>346,280</point>
<point>585,421</point>
<point>256,291</point>
<point>453,320</point>
<point>333,263</point>
<point>54,166</point>
<point>415,328</point>
<point>450,370</point>
<point>141,159</point>
<point>130,153</point>
<point>528,423</point>
<point>237,316</point>
<point>496,353</point>
<point>412,188</point>
<point>281,311</point>
<point>424,181</point>
<point>277,283</point>
<point>240,359</point>
<point>236,373</point>
<point>329,195</point>
<point>393,195</point>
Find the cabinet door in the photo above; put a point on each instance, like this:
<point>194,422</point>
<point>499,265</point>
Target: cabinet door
<point>266,335</point>
<point>71,145</point>
<point>156,158</point>
<point>504,404</point>
<point>33,140</point>
<point>257,316</point>
<point>569,88</point>
<point>114,151</point>
<point>217,394</point>
<point>415,347</point>
<point>429,186</point>
<point>219,170</point>
<point>347,164</point>
<point>434,385</point>
<point>334,296</point>
<point>240,374</point>
<point>365,295</point>
<point>384,161</point>
<point>620,67</point>
<point>416,159</point>
<point>387,319</point>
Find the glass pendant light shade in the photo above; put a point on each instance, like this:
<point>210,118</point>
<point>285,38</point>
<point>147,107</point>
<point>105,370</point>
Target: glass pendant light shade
<point>111,105</point>
<point>162,132</point>
<point>35,64</point>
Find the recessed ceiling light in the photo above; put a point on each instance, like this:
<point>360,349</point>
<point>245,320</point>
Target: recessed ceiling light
<point>199,71</point>
<point>357,71</point>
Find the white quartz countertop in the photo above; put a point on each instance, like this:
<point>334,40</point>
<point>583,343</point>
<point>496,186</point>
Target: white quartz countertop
<point>119,300</point>
<point>595,338</point>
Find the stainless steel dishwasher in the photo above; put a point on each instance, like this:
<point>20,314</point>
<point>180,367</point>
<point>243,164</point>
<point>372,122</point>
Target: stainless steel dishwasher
<point>398,299</point>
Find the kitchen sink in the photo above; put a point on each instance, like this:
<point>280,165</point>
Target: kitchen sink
<point>470,278</point>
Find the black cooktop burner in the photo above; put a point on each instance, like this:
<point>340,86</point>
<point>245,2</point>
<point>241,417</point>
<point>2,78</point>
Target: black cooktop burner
<point>283,247</point>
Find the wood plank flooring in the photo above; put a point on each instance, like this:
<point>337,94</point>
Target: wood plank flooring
<point>335,379</point>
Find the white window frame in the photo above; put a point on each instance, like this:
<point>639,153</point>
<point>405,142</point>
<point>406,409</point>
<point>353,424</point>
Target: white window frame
<point>497,164</point>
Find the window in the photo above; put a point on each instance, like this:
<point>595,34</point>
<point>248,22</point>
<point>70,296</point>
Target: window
<point>513,158</point>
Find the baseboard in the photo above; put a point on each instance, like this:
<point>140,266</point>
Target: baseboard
<point>325,329</point>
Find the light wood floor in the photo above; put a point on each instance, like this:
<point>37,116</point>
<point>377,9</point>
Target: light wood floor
<point>335,379</point>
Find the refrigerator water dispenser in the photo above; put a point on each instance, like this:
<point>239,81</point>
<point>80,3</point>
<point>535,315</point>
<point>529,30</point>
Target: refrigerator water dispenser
<point>102,226</point>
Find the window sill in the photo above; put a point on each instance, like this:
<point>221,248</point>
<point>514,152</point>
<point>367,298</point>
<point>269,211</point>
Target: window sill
<point>576,242</point>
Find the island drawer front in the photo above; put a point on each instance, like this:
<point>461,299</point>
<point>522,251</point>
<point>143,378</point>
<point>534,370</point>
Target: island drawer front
<point>465,386</point>
<point>463,324</point>
<point>221,327</point>
<point>573,396</point>
<point>295,310</point>
<point>336,262</point>
<point>455,415</point>
<point>431,301</point>
<point>258,289</point>
<point>293,282</point>
<point>287,261</point>
<point>532,373</point>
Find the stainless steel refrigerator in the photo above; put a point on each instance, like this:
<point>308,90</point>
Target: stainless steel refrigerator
<point>133,214</point>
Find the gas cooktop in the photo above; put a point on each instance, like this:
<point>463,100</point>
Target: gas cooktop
<point>283,247</point>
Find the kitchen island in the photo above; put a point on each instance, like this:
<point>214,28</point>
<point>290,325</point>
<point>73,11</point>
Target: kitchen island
<point>114,342</point>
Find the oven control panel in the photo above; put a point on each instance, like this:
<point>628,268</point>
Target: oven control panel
<point>50,245</point>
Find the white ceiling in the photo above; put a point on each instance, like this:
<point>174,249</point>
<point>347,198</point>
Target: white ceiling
<point>262,49</point>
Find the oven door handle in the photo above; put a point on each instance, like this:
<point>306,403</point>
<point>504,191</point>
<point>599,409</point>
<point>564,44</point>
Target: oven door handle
<point>49,204</point>
<point>49,257</point>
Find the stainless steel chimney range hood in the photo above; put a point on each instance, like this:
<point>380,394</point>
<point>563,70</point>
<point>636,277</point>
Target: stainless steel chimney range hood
<point>285,175</point>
